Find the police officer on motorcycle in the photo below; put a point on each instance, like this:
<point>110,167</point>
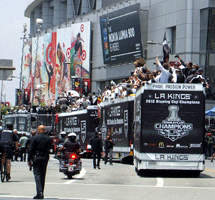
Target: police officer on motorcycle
<point>62,138</point>
<point>71,145</point>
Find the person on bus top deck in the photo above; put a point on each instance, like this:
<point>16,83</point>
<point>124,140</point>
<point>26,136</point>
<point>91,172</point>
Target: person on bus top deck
<point>71,145</point>
<point>8,139</point>
<point>165,74</point>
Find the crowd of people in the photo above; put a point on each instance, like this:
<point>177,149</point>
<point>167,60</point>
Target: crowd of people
<point>166,72</point>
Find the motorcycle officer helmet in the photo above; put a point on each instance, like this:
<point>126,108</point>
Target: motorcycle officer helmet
<point>63,134</point>
<point>72,136</point>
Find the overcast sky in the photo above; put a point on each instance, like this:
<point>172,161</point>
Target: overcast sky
<point>11,23</point>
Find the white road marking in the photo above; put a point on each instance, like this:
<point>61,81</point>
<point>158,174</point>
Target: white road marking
<point>29,197</point>
<point>82,173</point>
<point>160,182</point>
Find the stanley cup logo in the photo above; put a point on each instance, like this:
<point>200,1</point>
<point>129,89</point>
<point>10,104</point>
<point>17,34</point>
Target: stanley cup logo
<point>173,114</point>
<point>173,127</point>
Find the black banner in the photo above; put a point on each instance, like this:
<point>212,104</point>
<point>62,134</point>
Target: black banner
<point>172,121</point>
<point>118,119</point>
<point>81,123</point>
<point>121,35</point>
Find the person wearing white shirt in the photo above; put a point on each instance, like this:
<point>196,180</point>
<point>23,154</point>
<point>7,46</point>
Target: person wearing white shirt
<point>165,74</point>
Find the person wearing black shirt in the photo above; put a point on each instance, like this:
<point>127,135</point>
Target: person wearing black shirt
<point>38,157</point>
<point>108,148</point>
<point>96,144</point>
<point>71,145</point>
<point>10,142</point>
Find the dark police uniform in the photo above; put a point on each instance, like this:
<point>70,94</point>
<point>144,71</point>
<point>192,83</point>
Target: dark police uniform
<point>71,146</point>
<point>7,139</point>
<point>39,154</point>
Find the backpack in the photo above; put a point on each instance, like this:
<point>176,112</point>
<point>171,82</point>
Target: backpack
<point>6,138</point>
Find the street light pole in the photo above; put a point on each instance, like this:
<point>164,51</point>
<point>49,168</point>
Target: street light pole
<point>21,67</point>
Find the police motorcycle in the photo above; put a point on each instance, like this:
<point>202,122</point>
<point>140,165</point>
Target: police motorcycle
<point>70,161</point>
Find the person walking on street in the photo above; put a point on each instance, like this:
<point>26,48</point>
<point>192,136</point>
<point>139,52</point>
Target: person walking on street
<point>108,148</point>
<point>22,142</point>
<point>38,157</point>
<point>8,139</point>
<point>96,144</point>
<point>33,133</point>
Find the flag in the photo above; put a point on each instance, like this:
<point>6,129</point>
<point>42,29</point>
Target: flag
<point>166,48</point>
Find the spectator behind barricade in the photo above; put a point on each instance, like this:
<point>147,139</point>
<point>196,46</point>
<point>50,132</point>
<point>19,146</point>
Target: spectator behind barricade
<point>165,74</point>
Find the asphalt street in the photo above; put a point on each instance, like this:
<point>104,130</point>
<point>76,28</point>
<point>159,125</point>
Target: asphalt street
<point>118,182</point>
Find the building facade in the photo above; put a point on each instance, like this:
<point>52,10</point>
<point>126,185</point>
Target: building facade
<point>188,24</point>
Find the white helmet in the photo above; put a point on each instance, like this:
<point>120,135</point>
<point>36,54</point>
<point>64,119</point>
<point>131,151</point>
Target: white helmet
<point>63,133</point>
<point>72,135</point>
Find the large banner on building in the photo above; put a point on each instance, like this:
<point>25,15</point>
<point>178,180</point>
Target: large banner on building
<point>56,57</point>
<point>37,69</point>
<point>121,35</point>
<point>80,55</point>
<point>63,60</point>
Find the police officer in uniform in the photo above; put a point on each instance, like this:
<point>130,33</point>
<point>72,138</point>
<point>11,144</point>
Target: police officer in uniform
<point>9,141</point>
<point>38,157</point>
<point>71,145</point>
